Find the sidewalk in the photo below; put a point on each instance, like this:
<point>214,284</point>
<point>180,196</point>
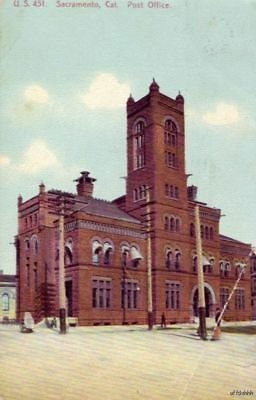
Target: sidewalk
<point>126,363</point>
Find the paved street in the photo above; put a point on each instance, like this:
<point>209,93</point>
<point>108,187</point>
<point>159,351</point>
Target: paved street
<point>127,363</point>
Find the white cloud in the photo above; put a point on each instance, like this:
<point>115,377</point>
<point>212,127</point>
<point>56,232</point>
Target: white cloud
<point>38,157</point>
<point>4,161</point>
<point>224,114</point>
<point>106,92</point>
<point>35,95</point>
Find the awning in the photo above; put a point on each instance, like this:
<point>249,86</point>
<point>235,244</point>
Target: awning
<point>135,254</point>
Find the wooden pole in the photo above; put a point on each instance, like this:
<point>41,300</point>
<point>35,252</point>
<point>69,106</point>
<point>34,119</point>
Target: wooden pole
<point>200,276</point>
<point>149,264</point>
<point>62,294</point>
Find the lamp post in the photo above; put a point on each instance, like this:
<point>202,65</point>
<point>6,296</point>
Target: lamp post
<point>149,264</point>
<point>200,276</point>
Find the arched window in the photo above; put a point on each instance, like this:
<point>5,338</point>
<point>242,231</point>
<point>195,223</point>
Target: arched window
<point>125,250</point>
<point>34,244</point>
<point>68,256</point>
<point>5,302</point>
<point>27,244</point>
<point>170,133</point>
<point>139,145</point>
<point>169,259</point>
<point>177,225</point>
<point>96,252</point>
<point>177,259</point>
<point>172,224</point>
<point>206,232</point>
<point>211,233</point>
<point>107,248</point>
<point>166,223</point>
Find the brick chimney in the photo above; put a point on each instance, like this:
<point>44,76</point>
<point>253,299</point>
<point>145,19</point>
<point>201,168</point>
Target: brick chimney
<point>192,192</point>
<point>85,185</point>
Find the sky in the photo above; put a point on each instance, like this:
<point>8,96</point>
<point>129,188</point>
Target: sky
<point>66,73</point>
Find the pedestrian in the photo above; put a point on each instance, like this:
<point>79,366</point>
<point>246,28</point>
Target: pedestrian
<point>217,317</point>
<point>163,321</point>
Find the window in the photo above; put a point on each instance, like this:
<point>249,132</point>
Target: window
<point>192,230</point>
<point>225,268</point>
<point>172,224</point>
<point>169,259</point>
<point>239,299</point>
<point>107,248</point>
<point>170,159</point>
<point>27,244</point>
<point>68,256</point>
<point>139,145</point>
<point>96,252</point>
<point>170,133</point>
<point>139,193</point>
<point>35,276</point>
<point>5,302</point>
<point>172,295</point>
<point>129,294</point>
<point>171,191</point>
<point>224,294</point>
<point>101,293</point>
<point>34,244</point>
<point>177,259</point>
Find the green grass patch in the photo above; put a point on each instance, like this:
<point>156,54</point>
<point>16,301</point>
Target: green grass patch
<point>248,330</point>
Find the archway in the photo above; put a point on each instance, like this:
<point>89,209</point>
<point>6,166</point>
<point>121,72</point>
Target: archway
<point>210,300</point>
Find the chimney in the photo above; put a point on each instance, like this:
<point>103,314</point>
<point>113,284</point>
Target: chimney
<point>85,185</point>
<point>192,193</point>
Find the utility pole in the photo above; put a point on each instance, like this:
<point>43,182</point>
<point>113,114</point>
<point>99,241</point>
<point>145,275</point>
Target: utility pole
<point>149,263</point>
<point>62,294</point>
<point>200,276</point>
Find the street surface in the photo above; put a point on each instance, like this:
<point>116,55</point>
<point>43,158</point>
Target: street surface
<point>125,363</point>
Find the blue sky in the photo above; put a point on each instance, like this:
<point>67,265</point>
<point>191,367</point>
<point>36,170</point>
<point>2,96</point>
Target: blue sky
<point>65,77</point>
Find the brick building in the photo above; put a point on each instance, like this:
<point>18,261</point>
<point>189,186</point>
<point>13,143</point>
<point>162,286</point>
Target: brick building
<point>110,245</point>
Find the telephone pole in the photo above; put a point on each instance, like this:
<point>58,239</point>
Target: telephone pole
<point>149,263</point>
<point>200,276</point>
<point>62,294</point>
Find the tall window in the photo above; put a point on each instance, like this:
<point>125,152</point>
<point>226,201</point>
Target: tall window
<point>129,294</point>
<point>169,259</point>
<point>239,299</point>
<point>5,302</point>
<point>224,293</point>
<point>96,252</point>
<point>170,133</point>
<point>177,259</point>
<point>139,145</point>
<point>101,293</point>
<point>172,295</point>
<point>107,248</point>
